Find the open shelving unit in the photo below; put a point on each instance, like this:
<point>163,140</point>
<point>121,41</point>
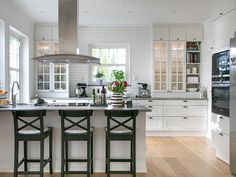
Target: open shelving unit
<point>193,66</point>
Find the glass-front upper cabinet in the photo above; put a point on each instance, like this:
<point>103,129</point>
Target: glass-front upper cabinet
<point>160,64</point>
<point>60,76</point>
<point>177,63</point>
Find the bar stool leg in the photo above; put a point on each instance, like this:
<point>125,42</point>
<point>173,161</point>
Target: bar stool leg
<point>134,158</point>
<point>108,157</point>
<point>25,156</point>
<point>67,155</point>
<point>50,152</point>
<point>62,157</point>
<point>106,154</point>
<point>16,158</point>
<point>88,156</point>
<point>92,153</point>
<point>41,157</point>
<point>131,156</point>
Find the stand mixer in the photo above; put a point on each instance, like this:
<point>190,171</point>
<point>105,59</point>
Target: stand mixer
<point>144,92</point>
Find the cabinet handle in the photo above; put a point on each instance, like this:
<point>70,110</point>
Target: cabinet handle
<point>150,118</point>
<point>194,39</point>
<point>43,38</point>
<point>221,13</point>
<point>177,39</point>
<point>185,101</point>
<point>185,118</point>
<point>150,106</point>
<point>161,38</point>
<point>185,106</point>
<point>149,100</point>
<point>221,117</point>
<point>221,134</point>
<point>212,47</point>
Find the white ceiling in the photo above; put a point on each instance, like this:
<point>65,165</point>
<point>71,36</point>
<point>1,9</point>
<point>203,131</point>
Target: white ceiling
<point>121,12</point>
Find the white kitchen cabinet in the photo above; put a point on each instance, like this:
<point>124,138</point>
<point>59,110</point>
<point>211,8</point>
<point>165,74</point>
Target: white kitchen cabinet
<point>43,33</point>
<point>194,33</point>
<point>223,124</point>
<point>154,123</point>
<point>185,123</point>
<point>223,30</point>
<point>156,111</point>
<point>185,102</point>
<point>177,33</point>
<point>185,111</point>
<point>221,7</point>
<point>161,33</point>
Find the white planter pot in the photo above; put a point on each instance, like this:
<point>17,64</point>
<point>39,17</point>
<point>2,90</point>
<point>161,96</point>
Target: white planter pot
<point>117,99</point>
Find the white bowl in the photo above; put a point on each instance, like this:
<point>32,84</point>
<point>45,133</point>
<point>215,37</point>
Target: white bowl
<point>192,89</point>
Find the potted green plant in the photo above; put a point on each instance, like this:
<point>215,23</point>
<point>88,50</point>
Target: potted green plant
<point>99,76</point>
<point>117,86</point>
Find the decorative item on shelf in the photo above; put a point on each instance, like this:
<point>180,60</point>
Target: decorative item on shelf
<point>3,97</point>
<point>99,76</point>
<point>117,87</point>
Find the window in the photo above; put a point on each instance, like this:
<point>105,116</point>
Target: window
<point>112,58</point>
<point>52,76</point>
<point>14,59</point>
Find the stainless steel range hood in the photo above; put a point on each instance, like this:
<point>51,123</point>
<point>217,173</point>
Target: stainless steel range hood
<point>68,37</point>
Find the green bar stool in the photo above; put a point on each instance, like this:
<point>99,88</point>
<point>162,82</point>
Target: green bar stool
<point>75,126</point>
<point>121,126</point>
<point>29,126</point>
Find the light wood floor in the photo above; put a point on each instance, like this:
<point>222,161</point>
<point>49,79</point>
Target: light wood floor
<point>176,157</point>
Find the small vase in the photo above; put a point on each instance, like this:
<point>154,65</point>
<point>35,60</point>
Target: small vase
<point>117,99</point>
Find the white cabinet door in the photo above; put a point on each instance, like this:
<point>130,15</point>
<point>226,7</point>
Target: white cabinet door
<point>154,123</point>
<point>43,33</point>
<point>156,111</point>
<point>185,111</point>
<point>185,123</point>
<point>223,30</point>
<point>194,34</point>
<point>178,33</point>
<point>223,124</point>
<point>221,141</point>
<point>221,7</point>
<point>161,33</point>
<point>55,33</point>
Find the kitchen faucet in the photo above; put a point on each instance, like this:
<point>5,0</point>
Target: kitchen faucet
<point>13,96</point>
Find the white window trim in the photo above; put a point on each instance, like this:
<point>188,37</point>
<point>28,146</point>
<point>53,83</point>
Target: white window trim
<point>112,45</point>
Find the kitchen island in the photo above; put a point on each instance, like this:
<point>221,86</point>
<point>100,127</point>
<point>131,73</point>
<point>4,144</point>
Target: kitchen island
<point>78,149</point>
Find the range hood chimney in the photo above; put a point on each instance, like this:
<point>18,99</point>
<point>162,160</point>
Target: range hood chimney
<point>68,37</point>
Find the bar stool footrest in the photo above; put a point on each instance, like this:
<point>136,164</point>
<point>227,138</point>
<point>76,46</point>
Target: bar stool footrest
<point>77,160</point>
<point>120,160</point>
<point>75,172</point>
<point>120,172</point>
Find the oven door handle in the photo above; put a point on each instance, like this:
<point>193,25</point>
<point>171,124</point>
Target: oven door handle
<point>220,85</point>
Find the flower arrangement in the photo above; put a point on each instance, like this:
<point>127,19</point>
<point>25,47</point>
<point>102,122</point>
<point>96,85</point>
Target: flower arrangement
<point>118,85</point>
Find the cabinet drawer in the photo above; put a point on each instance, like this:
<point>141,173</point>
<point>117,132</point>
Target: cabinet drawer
<point>150,102</point>
<point>185,102</point>
<point>223,124</point>
<point>154,123</point>
<point>200,111</point>
<point>156,111</point>
<point>221,141</point>
<point>185,123</point>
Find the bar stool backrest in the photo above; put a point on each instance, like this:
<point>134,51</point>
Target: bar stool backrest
<point>121,120</point>
<point>29,120</point>
<point>75,120</point>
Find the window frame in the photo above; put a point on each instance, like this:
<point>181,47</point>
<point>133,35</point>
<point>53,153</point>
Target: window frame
<point>109,46</point>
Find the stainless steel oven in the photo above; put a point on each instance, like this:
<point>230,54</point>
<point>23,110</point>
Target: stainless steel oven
<point>221,83</point>
<point>220,99</point>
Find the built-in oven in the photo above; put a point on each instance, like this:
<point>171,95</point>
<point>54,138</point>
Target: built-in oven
<point>220,99</point>
<point>221,83</point>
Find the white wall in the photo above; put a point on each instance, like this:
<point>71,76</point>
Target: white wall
<point>140,41</point>
<point>12,17</point>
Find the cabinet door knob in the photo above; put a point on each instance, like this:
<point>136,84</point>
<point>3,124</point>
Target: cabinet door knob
<point>150,106</point>
<point>221,134</point>
<point>185,101</point>
<point>149,100</point>
<point>150,118</point>
<point>221,13</point>
<point>177,39</point>
<point>185,118</point>
<point>221,117</point>
<point>194,39</point>
<point>161,38</point>
<point>185,106</point>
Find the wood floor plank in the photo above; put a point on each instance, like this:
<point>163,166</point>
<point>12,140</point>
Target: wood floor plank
<point>173,157</point>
